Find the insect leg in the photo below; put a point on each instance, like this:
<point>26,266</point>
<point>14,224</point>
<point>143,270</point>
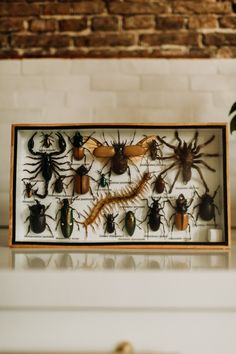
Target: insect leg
<point>55,166</point>
<point>173,224</point>
<point>129,173</point>
<point>34,171</point>
<point>205,155</point>
<point>45,191</point>
<point>194,140</point>
<point>103,134</point>
<point>59,163</point>
<point>131,142</point>
<point>26,219</point>
<point>61,157</point>
<point>206,143</point>
<point>168,201</point>
<point>191,216</point>
<point>169,167</point>
<point>57,223</point>
<point>197,218</point>
<point>205,164</point>
<point>201,176</point>
<point>163,215</point>
<point>49,228</point>
<point>178,138</point>
<point>85,155</point>
<point>175,179</point>
<point>215,192</point>
<point>28,230</point>
<point>191,201</point>
<point>163,228</point>
<point>217,208</point>
<point>196,206</point>
<point>32,164</point>
<point>105,166</point>
<point>128,168</point>
<point>164,142</point>
<point>48,207</point>
<point>33,177</point>
<point>34,158</point>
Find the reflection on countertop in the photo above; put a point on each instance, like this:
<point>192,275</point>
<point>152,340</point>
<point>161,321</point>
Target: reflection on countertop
<point>110,260</point>
<point>127,261</point>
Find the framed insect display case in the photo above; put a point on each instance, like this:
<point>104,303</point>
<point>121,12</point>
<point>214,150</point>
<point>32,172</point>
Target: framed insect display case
<point>120,185</point>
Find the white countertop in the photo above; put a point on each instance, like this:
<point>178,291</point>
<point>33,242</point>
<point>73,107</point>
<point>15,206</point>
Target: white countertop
<point>71,278</point>
<point>43,259</point>
<point>161,301</point>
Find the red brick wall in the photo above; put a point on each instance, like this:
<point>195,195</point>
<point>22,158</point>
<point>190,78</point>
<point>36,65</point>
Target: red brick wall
<point>118,28</point>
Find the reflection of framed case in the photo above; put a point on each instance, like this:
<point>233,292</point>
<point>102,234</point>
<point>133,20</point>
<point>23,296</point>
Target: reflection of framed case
<point>109,260</point>
<point>103,185</point>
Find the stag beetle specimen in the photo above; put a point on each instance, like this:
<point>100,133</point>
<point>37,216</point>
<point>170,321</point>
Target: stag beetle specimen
<point>181,214</point>
<point>78,143</point>
<point>119,153</point>
<point>154,215</point>
<point>46,162</point>
<point>66,219</point>
<point>207,206</point>
<point>37,218</point>
<point>187,157</point>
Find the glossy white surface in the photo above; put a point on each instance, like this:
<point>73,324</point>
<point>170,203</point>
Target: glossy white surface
<point>164,302</point>
<point>94,260</point>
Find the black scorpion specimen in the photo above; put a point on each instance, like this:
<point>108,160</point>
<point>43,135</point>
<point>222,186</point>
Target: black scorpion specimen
<point>46,162</point>
<point>187,157</point>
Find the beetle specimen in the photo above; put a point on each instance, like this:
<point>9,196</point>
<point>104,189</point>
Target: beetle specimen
<point>47,162</point>
<point>59,185</point>
<point>154,215</point>
<point>47,140</point>
<point>37,218</point>
<point>130,222</point>
<point>78,143</point>
<point>207,206</point>
<point>66,218</point>
<point>110,224</point>
<point>103,182</point>
<point>181,214</point>
<point>159,184</point>
<point>119,153</point>
<point>187,157</point>
<point>28,192</point>
<point>154,148</point>
<point>82,179</point>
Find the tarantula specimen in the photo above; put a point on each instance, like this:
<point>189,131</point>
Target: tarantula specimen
<point>187,156</point>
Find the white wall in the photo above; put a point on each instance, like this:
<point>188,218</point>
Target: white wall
<point>110,90</point>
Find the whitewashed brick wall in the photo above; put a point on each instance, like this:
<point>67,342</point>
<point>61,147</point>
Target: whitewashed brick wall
<point>127,90</point>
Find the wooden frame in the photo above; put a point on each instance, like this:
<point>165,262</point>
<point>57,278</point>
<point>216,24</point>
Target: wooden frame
<point>116,201</point>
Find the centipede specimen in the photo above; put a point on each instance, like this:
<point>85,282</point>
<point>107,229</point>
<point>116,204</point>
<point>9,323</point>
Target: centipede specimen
<point>121,197</point>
